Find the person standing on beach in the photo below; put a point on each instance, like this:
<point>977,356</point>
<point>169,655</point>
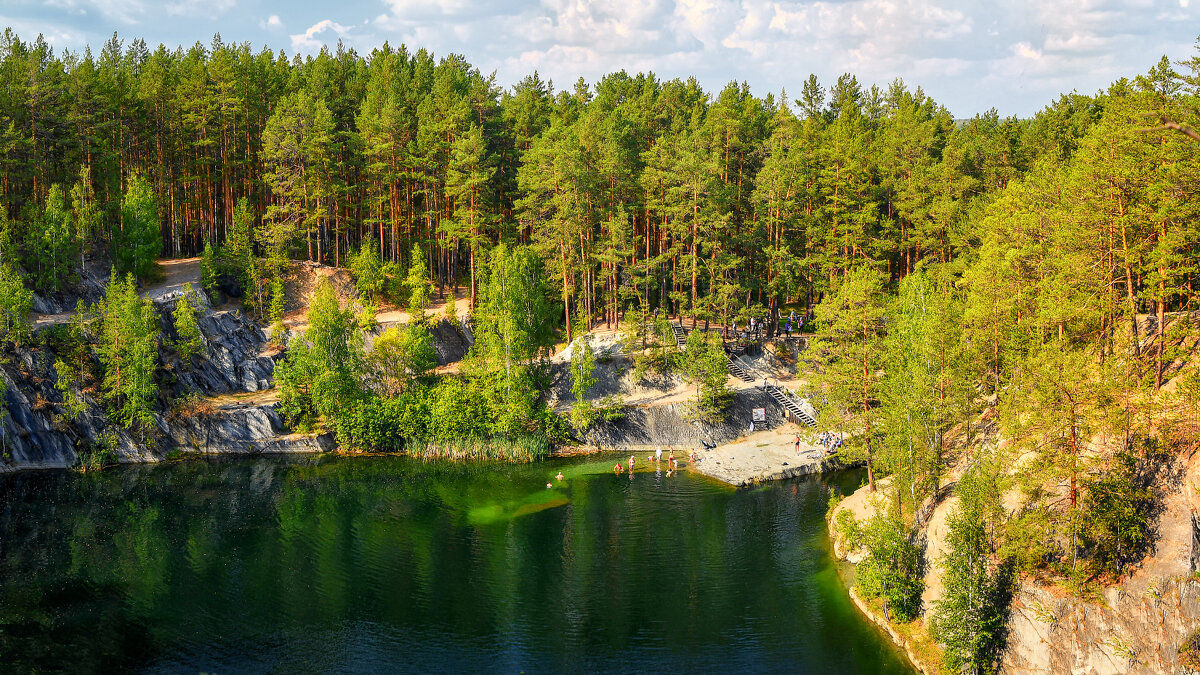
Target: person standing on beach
<point>797,444</point>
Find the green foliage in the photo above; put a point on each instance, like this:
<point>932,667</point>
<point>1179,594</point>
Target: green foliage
<point>56,242</point>
<point>239,251</point>
<point>368,271</point>
<point>278,303</point>
<point>1118,507</point>
<point>321,375</point>
<point>128,350</point>
<point>583,365</point>
<point>188,341</point>
<point>399,357</point>
<point>891,569</point>
<point>848,529</point>
<point>1189,651</point>
<point>513,334</point>
<point>704,363</point>
<point>366,318</point>
<point>209,270</point>
<point>294,377</point>
<point>970,617</point>
<point>16,302</point>
<point>653,346</point>
<point>67,384</point>
<point>922,390</point>
<point>418,285</point>
<point>850,350</point>
<point>296,154</point>
<point>138,243</point>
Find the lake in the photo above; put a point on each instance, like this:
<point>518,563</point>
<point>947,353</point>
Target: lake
<point>369,564</point>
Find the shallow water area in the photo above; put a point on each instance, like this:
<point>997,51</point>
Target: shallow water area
<point>387,563</point>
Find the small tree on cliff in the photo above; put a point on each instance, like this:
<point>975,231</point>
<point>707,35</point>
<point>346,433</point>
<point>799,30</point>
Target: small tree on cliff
<point>704,362</point>
<point>187,330</point>
<point>128,350</point>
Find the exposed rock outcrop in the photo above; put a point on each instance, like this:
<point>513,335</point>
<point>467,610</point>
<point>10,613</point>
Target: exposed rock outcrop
<point>242,429</point>
<point>1135,626</point>
<point>36,433</point>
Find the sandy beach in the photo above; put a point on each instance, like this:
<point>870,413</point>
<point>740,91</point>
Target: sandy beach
<point>761,456</point>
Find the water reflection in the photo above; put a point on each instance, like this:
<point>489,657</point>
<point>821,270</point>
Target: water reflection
<point>388,563</point>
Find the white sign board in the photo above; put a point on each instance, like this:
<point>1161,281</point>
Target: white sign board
<point>759,415</point>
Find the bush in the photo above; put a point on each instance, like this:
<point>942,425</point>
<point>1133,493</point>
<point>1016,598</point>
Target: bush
<point>1117,512</point>
<point>1189,652</point>
<point>891,568</point>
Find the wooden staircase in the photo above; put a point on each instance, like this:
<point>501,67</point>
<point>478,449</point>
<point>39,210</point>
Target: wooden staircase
<point>680,336</point>
<point>736,369</point>
<point>791,405</point>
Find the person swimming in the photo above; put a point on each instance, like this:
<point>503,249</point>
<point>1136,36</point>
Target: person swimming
<point>549,485</point>
<point>559,477</point>
<point>617,468</point>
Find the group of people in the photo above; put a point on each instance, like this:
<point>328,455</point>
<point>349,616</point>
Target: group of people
<point>672,463</point>
<point>792,320</point>
<point>830,441</point>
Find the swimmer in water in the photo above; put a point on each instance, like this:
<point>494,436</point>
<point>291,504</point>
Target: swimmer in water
<point>617,468</point>
<point>549,485</point>
<point>559,477</point>
<point>658,453</point>
<point>631,463</point>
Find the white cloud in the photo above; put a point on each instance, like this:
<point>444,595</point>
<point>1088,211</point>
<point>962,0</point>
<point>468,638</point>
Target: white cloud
<point>970,56</point>
<point>308,41</point>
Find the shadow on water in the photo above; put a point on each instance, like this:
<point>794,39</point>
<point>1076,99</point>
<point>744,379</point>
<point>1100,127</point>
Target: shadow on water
<point>362,564</point>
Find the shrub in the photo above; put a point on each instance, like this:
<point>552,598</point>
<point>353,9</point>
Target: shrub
<point>891,568</point>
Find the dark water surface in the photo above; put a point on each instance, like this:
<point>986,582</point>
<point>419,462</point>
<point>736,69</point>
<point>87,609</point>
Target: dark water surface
<point>390,564</point>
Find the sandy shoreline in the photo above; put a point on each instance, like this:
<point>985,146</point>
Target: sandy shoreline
<point>761,456</point>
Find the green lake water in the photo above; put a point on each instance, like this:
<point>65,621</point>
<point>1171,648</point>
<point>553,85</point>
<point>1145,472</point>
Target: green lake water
<point>382,564</point>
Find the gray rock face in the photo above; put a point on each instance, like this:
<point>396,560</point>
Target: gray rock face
<point>451,343</point>
<point>242,429</point>
<point>233,359</point>
<point>35,434</point>
<point>667,424</point>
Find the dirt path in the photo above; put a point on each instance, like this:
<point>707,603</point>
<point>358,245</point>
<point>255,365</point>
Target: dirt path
<point>391,315</point>
<point>178,272</point>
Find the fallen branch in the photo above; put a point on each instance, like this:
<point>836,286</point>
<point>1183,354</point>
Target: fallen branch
<point>1170,124</point>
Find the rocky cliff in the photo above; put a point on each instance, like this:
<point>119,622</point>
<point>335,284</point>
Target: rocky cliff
<point>1134,626</point>
<point>37,434</point>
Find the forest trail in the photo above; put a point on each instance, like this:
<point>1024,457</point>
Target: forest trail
<point>178,272</point>
<point>390,315</point>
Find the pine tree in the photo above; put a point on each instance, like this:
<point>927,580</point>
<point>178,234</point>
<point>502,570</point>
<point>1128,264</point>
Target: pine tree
<point>128,350</point>
<point>188,339</point>
<point>138,243</point>
<point>850,349</point>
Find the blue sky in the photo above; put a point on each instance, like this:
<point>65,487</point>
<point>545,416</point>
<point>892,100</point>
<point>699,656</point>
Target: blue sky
<point>970,55</point>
